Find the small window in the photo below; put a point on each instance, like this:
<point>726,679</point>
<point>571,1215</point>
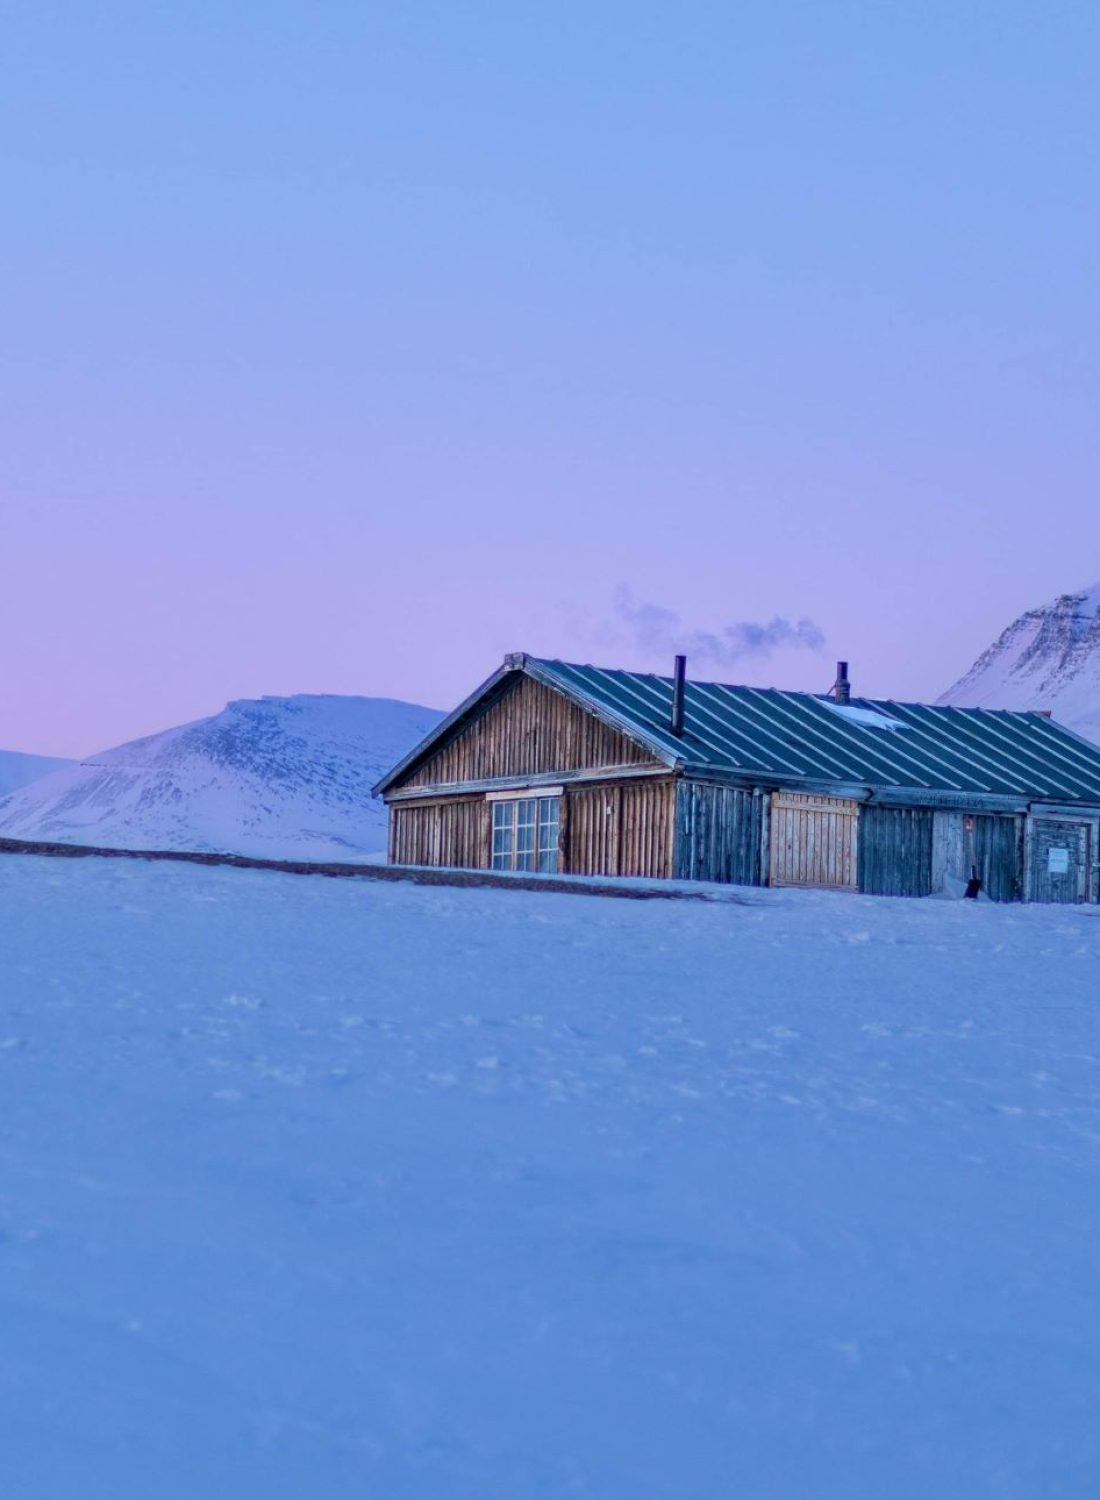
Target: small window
<point>525,834</point>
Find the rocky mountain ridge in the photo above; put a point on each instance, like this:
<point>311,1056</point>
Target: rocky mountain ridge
<point>1048,658</point>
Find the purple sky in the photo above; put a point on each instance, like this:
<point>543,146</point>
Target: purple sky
<point>349,346</point>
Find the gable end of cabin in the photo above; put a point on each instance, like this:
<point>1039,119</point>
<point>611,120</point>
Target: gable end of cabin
<point>530,780</point>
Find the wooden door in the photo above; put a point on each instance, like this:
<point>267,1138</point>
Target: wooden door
<point>1060,853</point>
<point>895,850</point>
<point>995,849</point>
<point>593,840</point>
<point>813,841</point>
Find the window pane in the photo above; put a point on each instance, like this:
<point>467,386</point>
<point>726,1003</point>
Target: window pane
<point>503,835</point>
<point>525,834</point>
<point>548,834</point>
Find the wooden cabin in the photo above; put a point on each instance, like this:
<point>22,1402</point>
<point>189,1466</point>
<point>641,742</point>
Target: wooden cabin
<point>557,768</point>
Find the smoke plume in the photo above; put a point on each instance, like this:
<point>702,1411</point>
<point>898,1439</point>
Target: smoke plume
<point>661,632</point>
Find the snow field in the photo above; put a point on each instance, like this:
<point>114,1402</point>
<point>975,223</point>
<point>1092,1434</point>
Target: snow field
<point>313,1189</point>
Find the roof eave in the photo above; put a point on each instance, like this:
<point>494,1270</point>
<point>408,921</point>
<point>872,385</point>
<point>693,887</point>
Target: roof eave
<point>946,799</point>
<point>443,728</point>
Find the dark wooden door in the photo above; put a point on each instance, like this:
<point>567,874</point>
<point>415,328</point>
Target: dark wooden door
<point>895,851</point>
<point>997,853</point>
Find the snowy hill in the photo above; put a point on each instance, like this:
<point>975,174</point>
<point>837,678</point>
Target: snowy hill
<point>319,1190</point>
<point>19,770</point>
<point>1048,659</point>
<point>274,777</point>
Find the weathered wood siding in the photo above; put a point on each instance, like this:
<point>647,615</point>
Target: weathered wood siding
<point>999,855</point>
<point>647,828</point>
<point>530,729</point>
<point>719,833</point>
<point>592,846</point>
<point>991,843</point>
<point>454,831</point>
<point>620,828</point>
<point>1053,842</point>
<point>813,841</point>
<point>612,828</point>
<point>948,852</point>
<point>895,851</point>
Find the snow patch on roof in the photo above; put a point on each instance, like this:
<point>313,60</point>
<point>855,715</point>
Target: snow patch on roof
<point>869,718</point>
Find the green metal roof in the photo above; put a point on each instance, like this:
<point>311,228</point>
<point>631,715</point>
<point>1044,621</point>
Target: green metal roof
<point>798,735</point>
<point>799,738</point>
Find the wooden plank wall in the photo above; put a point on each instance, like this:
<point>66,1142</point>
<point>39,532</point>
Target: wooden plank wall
<point>623,828</point>
<point>997,843</point>
<point>813,841</point>
<point>647,828</point>
<point>895,851</point>
<point>593,841</point>
<point>614,828</point>
<point>994,843</point>
<point>452,831</point>
<point>530,729</point>
<point>719,833</point>
<point>948,849</point>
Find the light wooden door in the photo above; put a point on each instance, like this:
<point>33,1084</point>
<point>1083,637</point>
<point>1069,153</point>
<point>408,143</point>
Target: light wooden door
<point>813,841</point>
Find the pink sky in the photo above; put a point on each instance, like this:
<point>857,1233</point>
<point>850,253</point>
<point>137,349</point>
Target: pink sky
<point>346,352</point>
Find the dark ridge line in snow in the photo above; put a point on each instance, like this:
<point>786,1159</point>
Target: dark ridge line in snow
<point>568,885</point>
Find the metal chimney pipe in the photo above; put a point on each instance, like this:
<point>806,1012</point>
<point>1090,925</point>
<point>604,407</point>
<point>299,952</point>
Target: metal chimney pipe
<point>677,721</point>
<point>842,688</point>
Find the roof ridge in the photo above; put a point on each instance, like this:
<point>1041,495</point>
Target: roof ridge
<point>750,687</point>
<point>783,736</point>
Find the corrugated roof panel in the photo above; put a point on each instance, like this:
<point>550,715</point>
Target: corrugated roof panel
<point>747,730</point>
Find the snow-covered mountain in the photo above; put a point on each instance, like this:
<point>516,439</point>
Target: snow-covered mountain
<point>1049,659</point>
<point>18,770</point>
<point>278,778</point>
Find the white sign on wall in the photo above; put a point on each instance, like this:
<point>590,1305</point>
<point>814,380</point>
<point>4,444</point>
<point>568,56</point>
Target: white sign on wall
<point>1058,861</point>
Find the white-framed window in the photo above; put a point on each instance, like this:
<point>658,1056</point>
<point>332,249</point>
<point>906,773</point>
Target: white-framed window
<point>525,834</point>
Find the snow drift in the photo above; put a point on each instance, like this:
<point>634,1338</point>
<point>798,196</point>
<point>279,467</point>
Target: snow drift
<point>270,777</point>
<point>1047,659</point>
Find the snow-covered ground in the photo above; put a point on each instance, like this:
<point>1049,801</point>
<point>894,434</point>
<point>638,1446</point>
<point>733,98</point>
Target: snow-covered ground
<point>277,778</point>
<point>322,1190</point>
